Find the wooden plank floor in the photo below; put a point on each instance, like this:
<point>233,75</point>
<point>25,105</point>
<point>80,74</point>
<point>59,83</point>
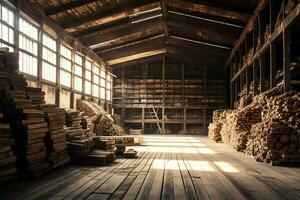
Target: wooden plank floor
<point>168,167</point>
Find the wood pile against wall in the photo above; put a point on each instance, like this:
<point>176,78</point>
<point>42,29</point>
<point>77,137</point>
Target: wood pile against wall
<point>276,138</point>
<point>214,128</point>
<point>268,129</point>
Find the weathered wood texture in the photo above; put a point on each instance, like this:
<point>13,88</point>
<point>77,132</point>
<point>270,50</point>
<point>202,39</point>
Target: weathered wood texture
<point>168,168</point>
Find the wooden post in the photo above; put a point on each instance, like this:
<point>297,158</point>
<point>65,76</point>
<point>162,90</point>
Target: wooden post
<point>204,94</point>
<point>163,100</point>
<point>57,90</point>
<point>182,89</point>
<point>286,60</point>
<point>123,96</point>
<point>255,76</point>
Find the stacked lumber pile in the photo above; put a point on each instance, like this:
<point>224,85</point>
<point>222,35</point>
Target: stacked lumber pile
<point>56,136</point>
<point>276,139</point>
<point>214,128</point>
<point>78,142</point>
<point>104,124</point>
<point>7,157</point>
<point>87,126</point>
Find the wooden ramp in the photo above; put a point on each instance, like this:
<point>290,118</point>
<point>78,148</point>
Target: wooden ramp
<point>168,167</point>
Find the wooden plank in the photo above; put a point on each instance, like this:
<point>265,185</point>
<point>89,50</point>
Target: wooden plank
<point>111,17</point>
<point>126,185</point>
<point>213,11</point>
<point>67,6</point>
<point>179,189</point>
<point>137,56</point>
<point>138,182</point>
<point>190,190</point>
<point>168,182</point>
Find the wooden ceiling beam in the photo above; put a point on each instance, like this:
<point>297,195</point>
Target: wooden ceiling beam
<point>109,18</point>
<point>132,49</point>
<point>164,9</point>
<point>68,6</point>
<point>198,47</point>
<point>137,56</point>
<point>123,33</point>
<point>157,57</point>
<point>185,31</point>
<point>208,10</point>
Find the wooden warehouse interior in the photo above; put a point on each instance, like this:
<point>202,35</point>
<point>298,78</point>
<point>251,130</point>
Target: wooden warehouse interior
<point>149,99</point>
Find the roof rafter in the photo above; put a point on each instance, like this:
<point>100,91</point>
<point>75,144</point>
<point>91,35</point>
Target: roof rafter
<point>111,17</point>
<point>213,11</point>
<point>68,6</point>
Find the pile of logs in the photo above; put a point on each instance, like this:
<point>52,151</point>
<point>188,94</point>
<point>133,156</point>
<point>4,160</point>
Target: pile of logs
<point>214,128</point>
<point>276,139</point>
<point>104,124</point>
<point>56,136</point>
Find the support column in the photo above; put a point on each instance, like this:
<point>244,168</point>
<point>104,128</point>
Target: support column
<point>286,61</point>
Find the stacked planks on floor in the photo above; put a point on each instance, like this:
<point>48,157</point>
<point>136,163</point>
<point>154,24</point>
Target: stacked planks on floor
<point>77,141</point>
<point>214,128</point>
<point>7,157</point>
<point>56,136</point>
<point>276,139</point>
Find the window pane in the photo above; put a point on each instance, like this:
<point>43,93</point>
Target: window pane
<point>78,59</point>
<point>65,97</point>
<point>78,70</point>
<point>65,64</point>
<point>102,93</point>
<point>88,87</point>
<point>49,72</point>
<point>66,52</point>
<point>65,78</point>
<point>78,84</point>
<point>102,82</point>
<point>28,64</point>
<point>28,29</point>
<point>95,90</point>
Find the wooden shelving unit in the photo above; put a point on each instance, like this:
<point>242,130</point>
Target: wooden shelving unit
<point>180,93</point>
<point>255,64</point>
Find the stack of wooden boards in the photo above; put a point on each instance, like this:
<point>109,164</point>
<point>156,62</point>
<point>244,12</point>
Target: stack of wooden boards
<point>268,129</point>
<point>214,128</point>
<point>56,136</point>
<point>22,107</point>
<point>7,157</point>
<point>78,142</point>
<point>104,124</point>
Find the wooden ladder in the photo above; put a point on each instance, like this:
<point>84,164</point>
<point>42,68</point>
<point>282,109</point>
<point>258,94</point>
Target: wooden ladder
<point>156,117</point>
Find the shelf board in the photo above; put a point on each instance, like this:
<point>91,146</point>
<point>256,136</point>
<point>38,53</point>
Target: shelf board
<point>284,24</point>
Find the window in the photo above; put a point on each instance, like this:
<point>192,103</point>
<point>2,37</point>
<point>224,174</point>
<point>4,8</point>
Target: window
<point>49,59</point>
<point>28,47</point>
<point>102,84</point>
<point>6,28</point>
<point>88,77</point>
<point>96,79</point>
<point>65,66</point>
<point>78,73</point>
